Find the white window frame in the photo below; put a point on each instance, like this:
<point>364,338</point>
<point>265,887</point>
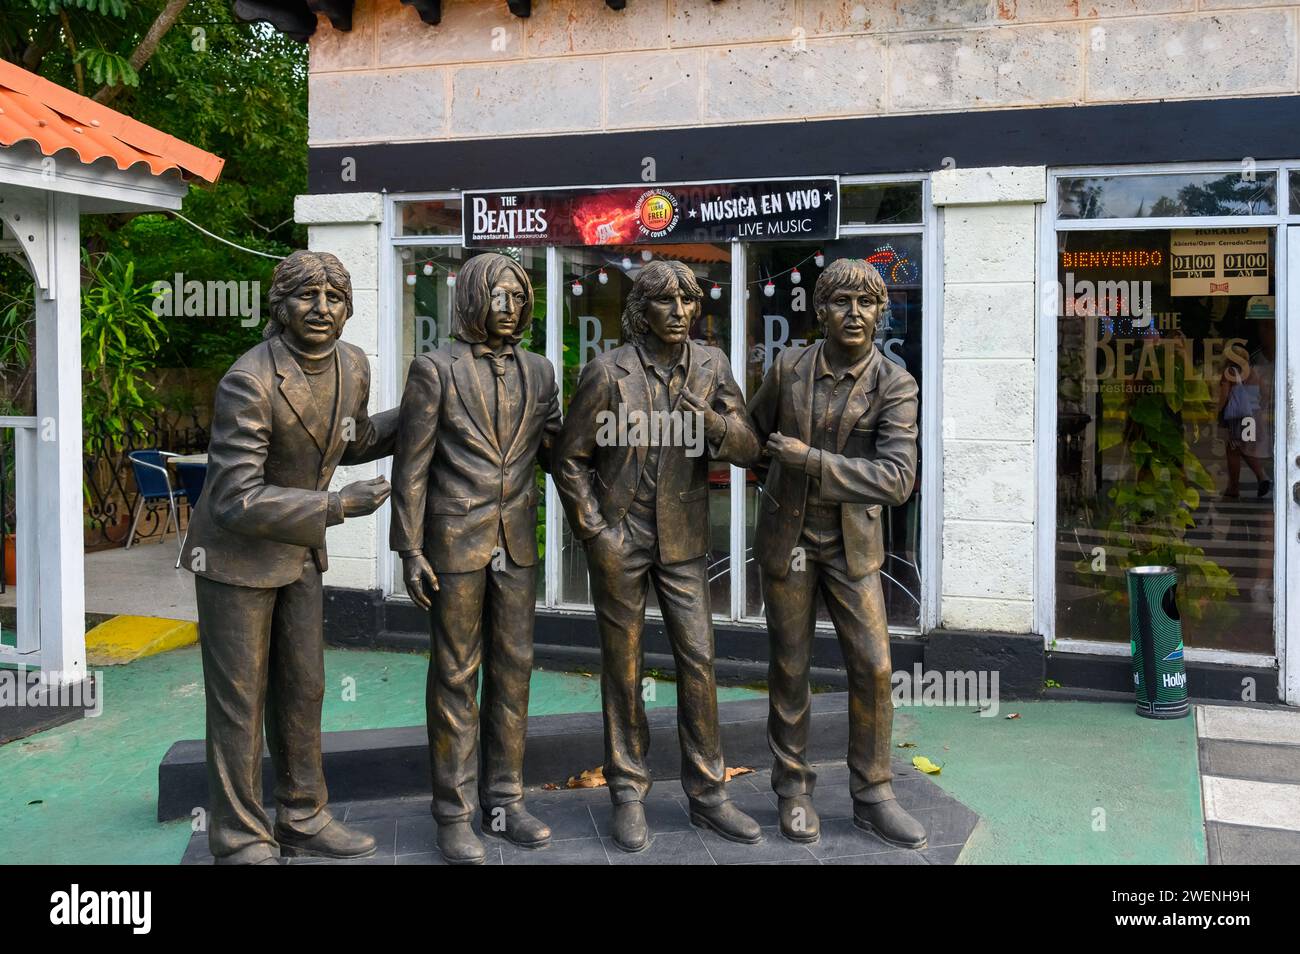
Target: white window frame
<point>1045,361</point>
<point>391,349</point>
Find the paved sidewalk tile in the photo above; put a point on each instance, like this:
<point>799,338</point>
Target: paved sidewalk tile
<point>1274,726</point>
<point>1258,804</point>
<point>1241,845</point>
<point>1251,760</point>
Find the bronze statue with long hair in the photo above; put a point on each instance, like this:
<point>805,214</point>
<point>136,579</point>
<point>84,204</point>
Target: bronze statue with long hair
<point>477,416</point>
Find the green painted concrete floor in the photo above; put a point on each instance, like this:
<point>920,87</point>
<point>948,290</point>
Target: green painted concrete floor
<point>1067,782</point>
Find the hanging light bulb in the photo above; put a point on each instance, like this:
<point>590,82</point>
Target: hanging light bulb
<point>795,277</point>
<point>451,279</point>
<point>715,292</point>
<point>646,254</point>
<point>769,289</point>
<point>819,259</point>
<point>428,268</point>
<point>602,277</point>
<point>627,264</point>
<point>577,288</point>
<point>410,278</point>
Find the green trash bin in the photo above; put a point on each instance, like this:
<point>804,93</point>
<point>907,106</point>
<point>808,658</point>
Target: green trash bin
<point>1157,642</point>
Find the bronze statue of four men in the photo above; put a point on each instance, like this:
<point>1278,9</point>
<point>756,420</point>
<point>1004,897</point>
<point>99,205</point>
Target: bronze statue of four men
<point>831,432</point>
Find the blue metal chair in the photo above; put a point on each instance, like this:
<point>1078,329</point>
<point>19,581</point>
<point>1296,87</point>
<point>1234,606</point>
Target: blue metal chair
<point>155,486</point>
<point>191,476</point>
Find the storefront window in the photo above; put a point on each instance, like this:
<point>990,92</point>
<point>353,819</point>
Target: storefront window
<point>881,203</point>
<point>595,286</point>
<point>776,302</point>
<point>1167,195</point>
<point>1165,425</point>
<point>430,217</point>
<point>780,314</point>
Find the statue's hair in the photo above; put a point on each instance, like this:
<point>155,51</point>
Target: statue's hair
<point>854,274</point>
<point>653,280</point>
<point>300,268</point>
<point>474,297</point>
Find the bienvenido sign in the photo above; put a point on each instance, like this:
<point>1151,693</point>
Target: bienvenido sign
<point>751,210</point>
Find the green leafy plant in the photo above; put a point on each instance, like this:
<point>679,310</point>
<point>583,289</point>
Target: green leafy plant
<point>108,68</point>
<point>120,338</point>
<point>1153,506</point>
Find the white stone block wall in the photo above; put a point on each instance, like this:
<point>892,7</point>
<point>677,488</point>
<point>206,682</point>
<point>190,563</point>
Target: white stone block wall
<point>578,66</point>
<point>349,226</point>
<point>988,399</point>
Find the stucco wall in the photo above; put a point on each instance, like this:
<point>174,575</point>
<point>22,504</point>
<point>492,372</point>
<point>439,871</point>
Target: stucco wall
<point>576,65</point>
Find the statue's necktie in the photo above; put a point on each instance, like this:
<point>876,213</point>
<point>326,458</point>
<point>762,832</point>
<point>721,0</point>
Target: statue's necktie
<point>498,361</point>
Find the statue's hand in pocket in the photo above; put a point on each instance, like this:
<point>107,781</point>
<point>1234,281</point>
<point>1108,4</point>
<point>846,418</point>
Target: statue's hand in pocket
<point>609,540</point>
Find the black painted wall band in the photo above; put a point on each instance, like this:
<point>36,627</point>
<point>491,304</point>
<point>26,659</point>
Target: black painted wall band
<point>1212,130</point>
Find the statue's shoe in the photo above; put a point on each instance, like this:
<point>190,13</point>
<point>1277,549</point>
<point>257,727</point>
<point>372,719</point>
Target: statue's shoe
<point>630,830</point>
<point>728,821</point>
<point>459,845</point>
<point>889,821</point>
<point>335,840</point>
<point>516,825</point>
<point>799,821</point>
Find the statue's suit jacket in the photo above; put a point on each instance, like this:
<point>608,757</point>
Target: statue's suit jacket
<point>453,482</point>
<point>272,453</point>
<point>872,464</point>
<point>597,483</point>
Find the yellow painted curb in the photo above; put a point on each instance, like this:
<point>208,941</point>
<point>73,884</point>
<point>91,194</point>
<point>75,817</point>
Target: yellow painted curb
<point>124,639</point>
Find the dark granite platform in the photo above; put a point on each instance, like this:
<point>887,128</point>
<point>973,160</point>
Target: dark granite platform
<point>581,818</point>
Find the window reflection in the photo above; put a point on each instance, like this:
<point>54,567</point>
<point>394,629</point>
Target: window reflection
<point>595,283</point>
<point>779,314</point>
<point>1162,196</point>
<point>1165,421</point>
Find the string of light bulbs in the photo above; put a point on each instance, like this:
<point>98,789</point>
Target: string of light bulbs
<point>577,286</point>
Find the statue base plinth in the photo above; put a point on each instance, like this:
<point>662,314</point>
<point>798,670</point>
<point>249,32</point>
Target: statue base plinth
<point>580,820</point>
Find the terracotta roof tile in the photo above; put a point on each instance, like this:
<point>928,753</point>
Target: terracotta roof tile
<point>35,109</point>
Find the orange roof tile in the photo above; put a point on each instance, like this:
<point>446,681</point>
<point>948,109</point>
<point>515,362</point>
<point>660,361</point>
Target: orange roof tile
<point>33,108</point>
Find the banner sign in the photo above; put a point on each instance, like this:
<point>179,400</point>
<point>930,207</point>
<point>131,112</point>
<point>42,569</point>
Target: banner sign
<point>747,210</point>
<point>1218,262</point>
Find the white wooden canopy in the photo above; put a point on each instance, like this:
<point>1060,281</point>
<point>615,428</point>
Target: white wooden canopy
<point>62,156</point>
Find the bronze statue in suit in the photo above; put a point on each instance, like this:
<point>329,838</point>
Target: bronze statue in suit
<point>475,417</point>
<point>632,471</point>
<point>286,414</point>
<point>839,422</point>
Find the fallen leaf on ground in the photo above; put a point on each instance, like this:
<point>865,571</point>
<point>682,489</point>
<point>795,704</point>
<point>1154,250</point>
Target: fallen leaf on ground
<point>906,745</point>
<point>733,771</point>
<point>926,766</point>
<point>1014,715</point>
<point>591,778</point>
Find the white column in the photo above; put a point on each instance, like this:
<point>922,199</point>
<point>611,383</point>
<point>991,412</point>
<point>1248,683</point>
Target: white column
<point>59,451</point>
<point>348,225</point>
<point>988,396</point>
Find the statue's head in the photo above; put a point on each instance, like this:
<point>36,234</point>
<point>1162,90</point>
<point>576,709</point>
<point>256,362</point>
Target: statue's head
<point>664,301</point>
<point>848,297</point>
<point>494,300</point>
<point>311,300</point>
